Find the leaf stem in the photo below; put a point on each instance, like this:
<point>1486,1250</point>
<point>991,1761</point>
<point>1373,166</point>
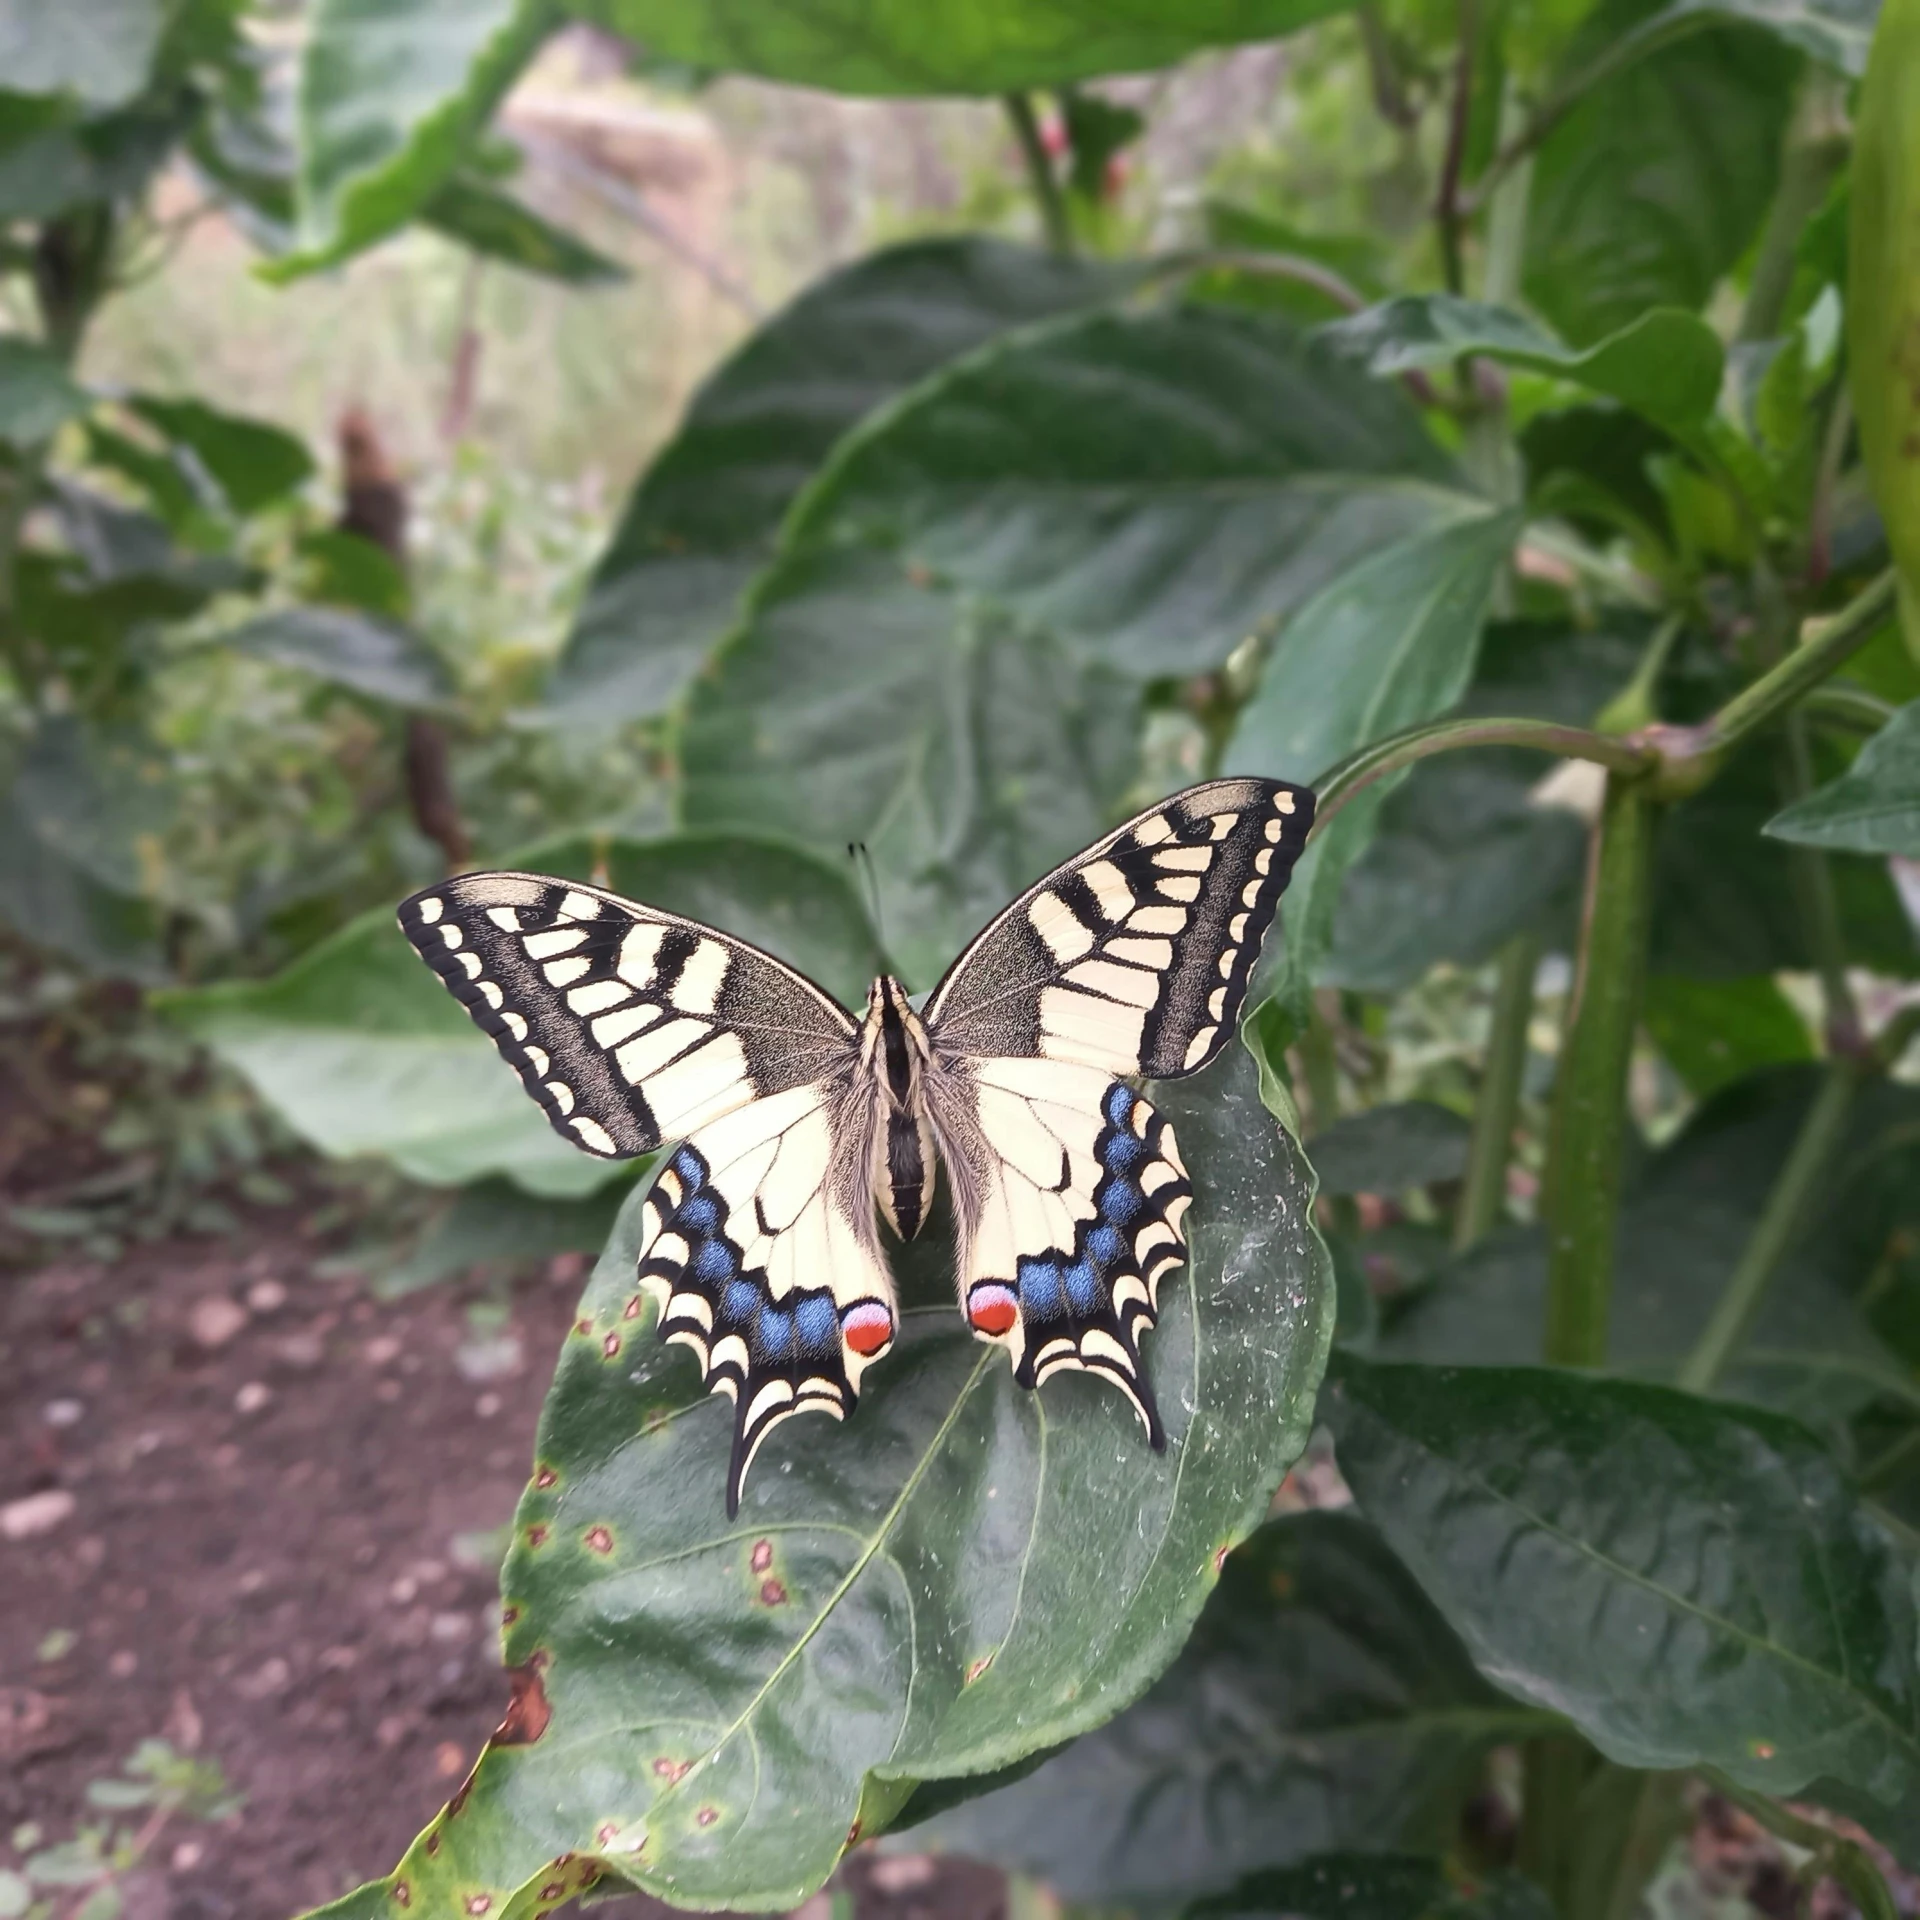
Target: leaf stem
<point>1839,1858</point>
<point>1589,1119</point>
<point>1779,1225</point>
<point>1484,1191</point>
<point>1040,175</point>
<point>1360,770</point>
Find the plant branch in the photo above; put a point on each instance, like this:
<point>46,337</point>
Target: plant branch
<point>1374,762</point>
<point>1589,1121</point>
<point>1447,212</point>
<point>1812,875</point>
<point>1779,1226</point>
<point>1040,174</point>
<point>1853,708</point>
<point>1483,1193</point>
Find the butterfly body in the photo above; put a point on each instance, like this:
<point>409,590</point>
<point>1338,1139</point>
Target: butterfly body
<point>799,1127</point>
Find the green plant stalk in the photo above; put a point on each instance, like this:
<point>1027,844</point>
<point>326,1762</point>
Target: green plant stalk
<point>1588,1127</point>
<point>1837,1857</point>
<point>1819,905</point>
<point>1813,151</point>
<point>1779,1225</point>
<point>1553,1769</point>
<point>1626,1820</point>
<point>1483,1193</point>
<point>1054,217</point>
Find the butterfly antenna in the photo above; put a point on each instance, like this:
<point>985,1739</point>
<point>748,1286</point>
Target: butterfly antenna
<point>858,854</point>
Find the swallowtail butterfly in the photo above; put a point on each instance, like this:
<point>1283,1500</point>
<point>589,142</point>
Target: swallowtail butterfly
<point>793,1119</point>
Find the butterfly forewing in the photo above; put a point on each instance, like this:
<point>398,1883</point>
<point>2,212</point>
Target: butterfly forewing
<point>1135,956</point>
<point>630,1026</point>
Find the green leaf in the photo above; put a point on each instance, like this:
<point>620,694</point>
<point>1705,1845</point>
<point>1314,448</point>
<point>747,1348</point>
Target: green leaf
<point>495,1224</point>
<point>1692,1583</point>
<point>1837,33</point>
<point>1373,1886</point>
<point>703,518</point>
<point>37,394</point>
<point>349,570</point>
<point>1874,807</point>
<point>1654,185</point>
<point>391,95</point>
<point>97,50</point>
<point>1665,365</point>
<point>361,1050</point>
<point>971,46</point>
<point>1387,1149</point>
<point>961,1575</point>
<point>251,462</point>
<point>380,658</point>
<point>99,158</point>
<point>1321,1699</point>
<point>1713,1032</point>
<point>497,225</point>
<point>1683,1226</point>
<point>1388,645</point>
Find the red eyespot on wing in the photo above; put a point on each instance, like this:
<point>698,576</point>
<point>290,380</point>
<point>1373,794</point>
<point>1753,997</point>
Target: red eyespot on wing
<point>868,1328</point>
<point>992,1308</point>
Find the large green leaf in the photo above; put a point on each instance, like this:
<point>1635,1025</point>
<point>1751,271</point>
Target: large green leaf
<point>965,46</point>
<point>702,520</point>
<point>1682,1228</point>
<point>1320,1705</point>
<point>963,1574</point>
<point>928,666</point>
<point>97,50</point>
<point>380,658</point>
<point>362,1050</point>
<point>252,462</point>
<point>1714,1032</point>
<point>1665,365</point>
<point>1654,185</point>
<point>1874,807</point>
<point>1692,1583</point>
<point>1391,643</point>
<point>37,394</point>
<point>1835,32</point>
<point>1354,1886</point>
<point>391,94</point>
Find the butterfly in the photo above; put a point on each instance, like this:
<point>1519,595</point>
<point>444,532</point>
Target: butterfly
<point>793,1120</point>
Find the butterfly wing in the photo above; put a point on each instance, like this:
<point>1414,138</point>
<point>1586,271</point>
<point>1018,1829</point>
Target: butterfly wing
<point>1080,1196</point>
<point>761,1253</point>
<point>629,1026</point>
<point>1135,955</point>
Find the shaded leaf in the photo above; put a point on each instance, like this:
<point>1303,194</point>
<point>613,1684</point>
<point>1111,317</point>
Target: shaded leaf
<point>1654,185</point>
<point>932,1589</point>
<point>37,394</point>
<point>1874,807</point>
<point>1713,1032</point>
<point>1692,1583</point>
<point>380,658</point>
<point>1321,1704</point>
<point>1376,1887</point>
<point>1387,1149</point>
<point>97,50</point>
<point>1835,32</point>
<point>1665,365</point>
<point>481,217</point>
<point>102,157</point>
<point>702,520</point>
<point>252,462</point>
<point>495,1224</point>
<point>360,1049</point>
<point>1390,644</point>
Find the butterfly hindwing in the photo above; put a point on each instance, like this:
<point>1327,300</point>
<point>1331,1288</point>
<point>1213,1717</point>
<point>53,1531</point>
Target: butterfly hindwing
<point>754,1257</point>
<point>1079,1220</point>
<point>1134,956</point>
<point>628,1025</point>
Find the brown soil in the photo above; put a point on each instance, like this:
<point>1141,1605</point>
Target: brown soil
<point>277,1554</point>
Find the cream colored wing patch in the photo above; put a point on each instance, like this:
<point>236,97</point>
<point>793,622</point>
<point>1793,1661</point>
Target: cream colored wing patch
<point>1080,1221</point>
<point>1135,956</point>
<point>757,1267</point>
<point>630,1026</point>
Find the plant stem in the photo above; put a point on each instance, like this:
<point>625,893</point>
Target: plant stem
<point>1813,151</point>
<point>1040,175</point>
<point>1589,1119</point>
<point>1553,1770</point>
<point>1819,906</point>
<point>1484,1191</point>
<point>1839,1858</point>
<point>1779,1225</point>
<point>1447,214</point>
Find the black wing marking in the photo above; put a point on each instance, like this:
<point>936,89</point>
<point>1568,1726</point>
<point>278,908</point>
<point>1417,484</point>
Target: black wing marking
<point>1134,956</point>
<point>757,1266</point>
<point>630,1026</point>
<point>1080,1220</point>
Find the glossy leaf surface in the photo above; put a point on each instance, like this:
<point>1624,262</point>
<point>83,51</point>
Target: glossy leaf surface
<point>1874,807</point>
<point>361,1050</point>
<point>1692,1583</point>
<point>1321,1704</point>
<point>703,518</point>
<point>961,1575</point>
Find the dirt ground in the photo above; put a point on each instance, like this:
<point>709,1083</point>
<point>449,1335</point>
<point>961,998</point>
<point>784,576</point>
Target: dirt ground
<point>251,1510</point>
